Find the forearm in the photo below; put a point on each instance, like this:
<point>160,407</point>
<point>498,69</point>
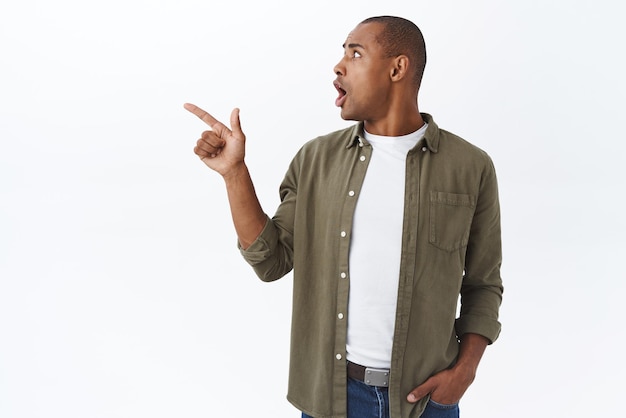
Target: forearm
<point>470,352</point>
<point>248,216</point>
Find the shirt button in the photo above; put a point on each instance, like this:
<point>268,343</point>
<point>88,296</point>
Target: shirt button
<point>424,149</point>
<point>338,356</point>
<point>362,158</point>
<point>351,193</point>
<point>344,275</point>
<point>343,234</point>
<point>340,315</point>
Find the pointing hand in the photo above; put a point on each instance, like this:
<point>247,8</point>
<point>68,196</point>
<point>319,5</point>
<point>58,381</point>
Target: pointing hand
<point>220,148</point>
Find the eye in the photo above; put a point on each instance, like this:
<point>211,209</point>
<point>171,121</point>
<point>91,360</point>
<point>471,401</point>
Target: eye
<point>356,54</point>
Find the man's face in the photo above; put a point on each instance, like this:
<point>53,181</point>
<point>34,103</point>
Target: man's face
<point>363,76</point>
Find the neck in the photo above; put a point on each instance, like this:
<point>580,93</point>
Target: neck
<point>400,117</point>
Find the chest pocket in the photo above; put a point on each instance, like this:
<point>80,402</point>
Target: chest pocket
<point>450,219</point>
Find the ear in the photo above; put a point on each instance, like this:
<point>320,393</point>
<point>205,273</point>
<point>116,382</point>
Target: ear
<point>400,68</point>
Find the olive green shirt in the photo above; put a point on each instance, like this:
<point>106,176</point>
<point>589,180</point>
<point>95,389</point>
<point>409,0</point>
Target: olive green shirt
<point>451,245</point>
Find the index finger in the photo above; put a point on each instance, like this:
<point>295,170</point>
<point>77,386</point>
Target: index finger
<point>202,114</point>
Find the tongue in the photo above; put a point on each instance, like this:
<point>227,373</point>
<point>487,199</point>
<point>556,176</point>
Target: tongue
<point>339,100</point>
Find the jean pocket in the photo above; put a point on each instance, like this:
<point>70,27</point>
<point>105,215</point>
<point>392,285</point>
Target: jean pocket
<point>450,219</point>
<point>442,405</point>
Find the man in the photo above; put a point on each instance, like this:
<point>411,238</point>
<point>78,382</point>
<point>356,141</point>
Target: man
<point>384,224</point>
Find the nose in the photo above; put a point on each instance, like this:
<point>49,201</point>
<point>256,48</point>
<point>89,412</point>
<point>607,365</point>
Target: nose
<point>339,68</point>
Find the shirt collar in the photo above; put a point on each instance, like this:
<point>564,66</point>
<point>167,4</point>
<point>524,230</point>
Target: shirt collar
<point>431,137</point>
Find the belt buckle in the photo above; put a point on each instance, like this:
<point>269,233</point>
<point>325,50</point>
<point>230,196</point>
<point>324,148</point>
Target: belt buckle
<point>376,377</point>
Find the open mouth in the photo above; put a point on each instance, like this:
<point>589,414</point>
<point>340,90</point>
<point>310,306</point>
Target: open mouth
<point>342,94</point>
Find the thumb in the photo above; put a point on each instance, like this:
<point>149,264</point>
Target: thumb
<point>235,123</point>
<point>421,391</point>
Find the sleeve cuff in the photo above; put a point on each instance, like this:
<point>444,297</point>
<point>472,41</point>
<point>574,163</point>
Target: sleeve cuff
<point>261,249</point>
<point>472,324</point>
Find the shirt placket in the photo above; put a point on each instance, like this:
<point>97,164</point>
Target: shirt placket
<point>407,267</point>
<point>356,167</point>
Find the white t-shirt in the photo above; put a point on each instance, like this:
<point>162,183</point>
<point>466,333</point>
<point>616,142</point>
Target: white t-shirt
<point>375,250</point>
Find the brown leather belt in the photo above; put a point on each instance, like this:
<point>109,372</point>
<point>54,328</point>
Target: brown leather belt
<point>368,375</point>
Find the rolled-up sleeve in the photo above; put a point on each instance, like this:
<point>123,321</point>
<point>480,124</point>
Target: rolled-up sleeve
<point>271,254</point>
<point>481,291</point>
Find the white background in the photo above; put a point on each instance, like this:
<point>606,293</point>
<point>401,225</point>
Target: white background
<point>122,293</point>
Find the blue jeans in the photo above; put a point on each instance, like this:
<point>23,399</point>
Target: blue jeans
<point>366,401</point>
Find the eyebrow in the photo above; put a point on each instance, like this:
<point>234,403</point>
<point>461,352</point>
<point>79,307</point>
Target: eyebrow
<point>352,46</point>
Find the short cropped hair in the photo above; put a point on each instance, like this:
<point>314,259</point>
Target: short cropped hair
<point>402,37</point>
